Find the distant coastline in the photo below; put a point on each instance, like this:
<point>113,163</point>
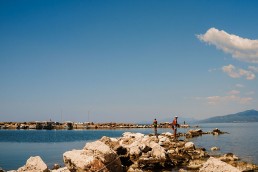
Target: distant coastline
<point>245,116</point>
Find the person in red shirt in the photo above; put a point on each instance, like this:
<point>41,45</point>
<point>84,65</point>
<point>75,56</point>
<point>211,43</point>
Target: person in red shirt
<point>175,125</point>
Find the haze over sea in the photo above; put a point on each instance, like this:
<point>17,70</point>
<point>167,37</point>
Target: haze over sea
<point>18,145</point>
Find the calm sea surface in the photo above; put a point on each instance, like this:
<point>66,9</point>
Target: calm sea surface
<point>16,146</point>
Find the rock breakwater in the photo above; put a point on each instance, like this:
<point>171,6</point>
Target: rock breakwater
<point>49,125</point>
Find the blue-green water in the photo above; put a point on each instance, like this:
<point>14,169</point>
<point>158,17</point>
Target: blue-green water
<point>16,146</point>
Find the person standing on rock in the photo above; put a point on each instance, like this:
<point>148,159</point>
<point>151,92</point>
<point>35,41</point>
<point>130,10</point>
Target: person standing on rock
<point>155,125</point>
<point>174,126</point>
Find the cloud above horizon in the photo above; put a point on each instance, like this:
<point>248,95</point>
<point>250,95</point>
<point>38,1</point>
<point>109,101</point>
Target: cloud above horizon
<point>253,68</point>
<point>239,85</point>
<point>215,100</point>
<point>235,72</point>
<point>233,92</point>
<point>232,96</point>
<point>242,49</point>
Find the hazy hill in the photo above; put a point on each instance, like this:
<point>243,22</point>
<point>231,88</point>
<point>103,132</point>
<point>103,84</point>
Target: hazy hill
<point>180,120</point>
<point>246,116</point>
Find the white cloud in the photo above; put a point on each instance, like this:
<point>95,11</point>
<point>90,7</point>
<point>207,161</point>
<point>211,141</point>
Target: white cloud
<point>212,69</point>
<point>233,92</point>
<point>239,85</point>
<point>242,49</point>
<point>235,72</point>
<point>214,100</point>
<point>253,68</point>
<point>250,93</point>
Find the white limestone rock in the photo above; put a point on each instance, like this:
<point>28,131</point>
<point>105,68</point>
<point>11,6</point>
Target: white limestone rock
<point>95,156</point>
<point>214,164</point>
<point>82,160</point>
<point>189,146</point>
<point>102,151</point>
<point>163,141</point>
<point>34,164</point>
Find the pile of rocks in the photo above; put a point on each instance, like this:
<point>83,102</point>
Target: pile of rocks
<point>199,132</point>
<point>136,152</point>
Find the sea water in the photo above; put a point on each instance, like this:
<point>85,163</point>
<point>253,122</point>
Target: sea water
<point>16,146</point>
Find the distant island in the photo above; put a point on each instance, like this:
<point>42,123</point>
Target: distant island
<point>245,116</point>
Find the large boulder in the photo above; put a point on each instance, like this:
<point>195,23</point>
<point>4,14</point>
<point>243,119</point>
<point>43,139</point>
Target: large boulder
<point>194,133</point>
<point>102,151</point>
<point>134,145</point>
<point>111,142</point>
<point>34,164</point>
<point>95,156</point>
<point>158,152</point>
<point>214,164</point>
<point>82,160</point>
<point>155,156</point>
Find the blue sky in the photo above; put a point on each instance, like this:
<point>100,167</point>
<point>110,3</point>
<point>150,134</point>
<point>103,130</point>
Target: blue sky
<point>127,60</point>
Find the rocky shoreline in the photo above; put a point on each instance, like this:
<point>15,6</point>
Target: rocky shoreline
<point>136,152</point>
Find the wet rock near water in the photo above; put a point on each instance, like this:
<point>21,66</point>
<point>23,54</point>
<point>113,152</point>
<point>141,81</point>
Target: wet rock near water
<point>216,131</point>
<point>56,167</point>
<point>194,133</point>
<point>215,148</point>
<point>33,164</point>
<point>199,132</point>
<point>229,157</point>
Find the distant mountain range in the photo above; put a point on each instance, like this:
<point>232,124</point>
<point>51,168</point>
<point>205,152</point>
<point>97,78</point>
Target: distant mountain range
<point>245,116</point>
